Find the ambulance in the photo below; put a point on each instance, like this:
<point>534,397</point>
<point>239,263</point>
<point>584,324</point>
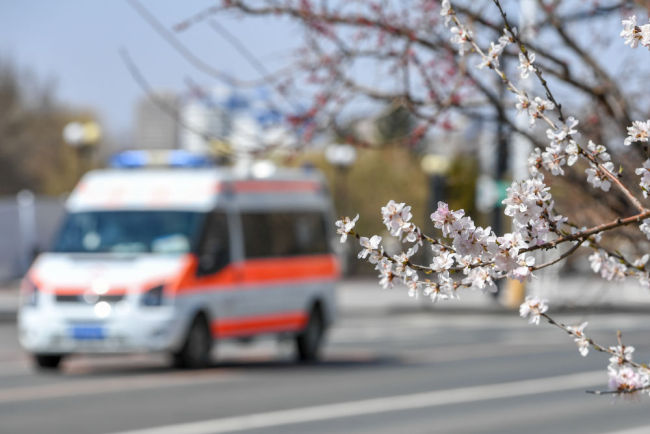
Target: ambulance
<point>173,259</point>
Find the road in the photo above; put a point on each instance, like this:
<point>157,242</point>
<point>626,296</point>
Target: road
<point>417,372</point>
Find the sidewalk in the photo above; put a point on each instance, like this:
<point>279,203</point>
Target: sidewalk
<point>572,293</point>
<point>9,300</point>
<point>364,296</point>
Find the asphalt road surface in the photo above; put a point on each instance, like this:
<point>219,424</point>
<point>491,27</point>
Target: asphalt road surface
<point>419,372</point>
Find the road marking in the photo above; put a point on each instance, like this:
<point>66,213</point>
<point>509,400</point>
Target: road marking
<point>381,405</point>
<point>111,385</point>
<point>636,430</point>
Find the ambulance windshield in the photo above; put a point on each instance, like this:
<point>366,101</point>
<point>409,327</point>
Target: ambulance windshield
<point>169,232</point>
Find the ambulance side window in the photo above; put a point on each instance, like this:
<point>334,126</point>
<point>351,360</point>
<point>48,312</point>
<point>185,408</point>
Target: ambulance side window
<point>284,234</point>
<point>214,247</point>
<point>257,235</point>
<point>309,233</point>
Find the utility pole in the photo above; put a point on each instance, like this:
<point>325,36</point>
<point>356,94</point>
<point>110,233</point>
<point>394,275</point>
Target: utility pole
<point>520,146</point>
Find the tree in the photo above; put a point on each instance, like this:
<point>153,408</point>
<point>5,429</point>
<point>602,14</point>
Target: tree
<point>32,152</point>
<point>444,64</point>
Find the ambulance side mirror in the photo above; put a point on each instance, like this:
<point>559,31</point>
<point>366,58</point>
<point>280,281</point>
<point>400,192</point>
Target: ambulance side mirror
<point>212,260</point>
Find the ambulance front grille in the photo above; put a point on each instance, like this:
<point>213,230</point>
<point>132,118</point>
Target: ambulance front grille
<point>113,298</point>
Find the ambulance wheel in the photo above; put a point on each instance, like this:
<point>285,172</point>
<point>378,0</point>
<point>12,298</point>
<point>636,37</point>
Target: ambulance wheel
<point>48,361</point>
<point>309,340</point>
<point>195,352</point>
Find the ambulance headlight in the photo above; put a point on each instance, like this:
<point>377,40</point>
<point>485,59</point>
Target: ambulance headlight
<point>30,293</point>
<point>153,296</point>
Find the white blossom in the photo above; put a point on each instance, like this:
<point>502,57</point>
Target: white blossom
<point>597,177</point>
<point>645,228</point>
<point>491,59</point>
<point>443,261</point>
<point>413,286</point>
<point>446,286</point>
<point>461,36</point>
<point>644,173</point>
<point>638,132</point>
<point>627,379</point>
<point>412,234</point>
<point>438,292</point>
<point>523,103</point>
<point>580,339</point>
<point>516,265</point>
<point>530,205</point>
<point>401,266</point>
<point>608,267</point>
<point>599,152</point>
<point>634,34</point>
<point>553,158</point>
<point>536,108</point>
<point>622,354</point>
<point>640,262</point>
<point>533,307</point>
<point>543,105</point>
<point>526,64</point>
<point>446,11</point>
<point>446,220</point>
<point>573,152</point>
<point>386,274</point>
<point>535,162</point>
<point>396,217</point>
<point>506,38</point>
<point>371,248</point>
<point>481,278</point>
<point>564,131</point>
<point>345,226</point>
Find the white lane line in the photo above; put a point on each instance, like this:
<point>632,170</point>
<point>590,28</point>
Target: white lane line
<point>637,430</point>
<point>110,385</point>
<point>381,405</point>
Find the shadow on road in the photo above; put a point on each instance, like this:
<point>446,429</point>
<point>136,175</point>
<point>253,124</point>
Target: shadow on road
<point>96,366</point>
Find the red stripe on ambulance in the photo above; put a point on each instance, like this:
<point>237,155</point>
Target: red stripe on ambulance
<point>250,325</point>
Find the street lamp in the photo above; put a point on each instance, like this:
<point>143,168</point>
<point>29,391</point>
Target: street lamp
<point>436,167</point>
<point>341,156</point>
<point>83,137</point>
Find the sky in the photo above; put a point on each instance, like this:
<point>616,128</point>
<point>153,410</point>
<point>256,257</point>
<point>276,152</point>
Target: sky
<point>77,43</point>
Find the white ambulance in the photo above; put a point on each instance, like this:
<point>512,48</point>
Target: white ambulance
<point>173,259</point>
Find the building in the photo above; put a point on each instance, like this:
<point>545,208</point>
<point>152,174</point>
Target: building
<point>156,123</point>
<point>203,123</point>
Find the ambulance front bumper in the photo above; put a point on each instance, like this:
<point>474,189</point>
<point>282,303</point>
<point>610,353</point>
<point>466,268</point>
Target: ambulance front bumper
<point>152,329</point>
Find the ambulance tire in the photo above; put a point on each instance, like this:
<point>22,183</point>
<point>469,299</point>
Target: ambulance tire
<point>195,352</point>
<point>309,340</point>
<point>48,361</point>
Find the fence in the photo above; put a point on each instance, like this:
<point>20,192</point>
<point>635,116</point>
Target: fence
<point>27,224</point>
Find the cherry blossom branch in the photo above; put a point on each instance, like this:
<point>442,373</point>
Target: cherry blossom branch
<point>526,54</point>
<point>592,343</point>
<point>614,179</point>
<point>564,255</point>
<point>609,84</point>
<point>591,231</point>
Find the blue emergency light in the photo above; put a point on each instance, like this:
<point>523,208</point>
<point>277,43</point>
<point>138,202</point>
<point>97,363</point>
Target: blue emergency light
<point>172,158</point>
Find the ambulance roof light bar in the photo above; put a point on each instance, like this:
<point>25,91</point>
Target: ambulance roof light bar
<point>137,159</point>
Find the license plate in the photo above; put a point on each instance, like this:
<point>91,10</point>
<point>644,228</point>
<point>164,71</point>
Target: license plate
<point>87,332</point>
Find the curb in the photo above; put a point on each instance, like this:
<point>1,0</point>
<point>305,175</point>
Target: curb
<point>7,316</point>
